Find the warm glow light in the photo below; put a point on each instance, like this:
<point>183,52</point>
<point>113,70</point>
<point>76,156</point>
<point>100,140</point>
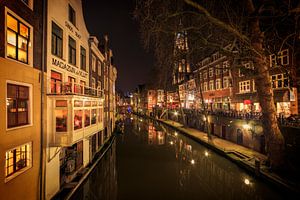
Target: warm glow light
<point>204,118</point>
<point>141,120</point>
<point>192,161</point>
<point>246,181</point>
<point>206,153</point>
<point>131,118</point>
<point>176,113</point>
<point>176,133</point>
<point>171,143</point>
<point>246,126</point>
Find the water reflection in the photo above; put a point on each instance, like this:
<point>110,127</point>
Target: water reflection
<point>102,182</point>
<point>150,161</point>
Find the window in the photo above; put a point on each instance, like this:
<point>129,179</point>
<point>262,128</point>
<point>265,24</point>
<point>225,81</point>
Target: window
<point>72,51</point>
<point>57,40</point>
<point>18,35</point>
<point>211,85</point>
<point>211,72</point>
<point>56,80</point>
<point>94,63</point>
<point>82,58</point>
<point>254,85</point>
<point>205,87</point>
<point>218,71</point>
<point>18,159</point>
<point>280,81</point>
<point>225,66</point>
<point>244,86</point>
<point>99,68</point>
<point>248,65</point>
<point>200,76</point>
<point>282,58</point>
<point>218,84</point>
<point>94,116</point>
<point>93,83</point>
<point>87,118</point>
<point>225,82</point>
<point>77,119</point>
<point>17,105</point>
<point>72,15</point>
<point>61,117</point>
<point>205,74</point>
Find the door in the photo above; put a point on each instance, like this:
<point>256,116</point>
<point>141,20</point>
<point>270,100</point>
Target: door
<point>239,135</point>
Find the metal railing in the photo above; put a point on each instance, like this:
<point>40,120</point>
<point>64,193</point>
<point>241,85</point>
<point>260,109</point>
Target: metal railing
<point>67,88</point>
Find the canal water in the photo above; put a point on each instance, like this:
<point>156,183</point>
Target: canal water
<point>153,162</point>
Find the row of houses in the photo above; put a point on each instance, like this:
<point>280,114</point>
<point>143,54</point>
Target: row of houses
<point>57,93</point>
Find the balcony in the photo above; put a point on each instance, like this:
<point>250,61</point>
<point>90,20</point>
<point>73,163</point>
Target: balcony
<point>74,112</point>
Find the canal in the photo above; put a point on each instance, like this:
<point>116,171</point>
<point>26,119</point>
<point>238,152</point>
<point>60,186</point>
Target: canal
<point>151,161</point>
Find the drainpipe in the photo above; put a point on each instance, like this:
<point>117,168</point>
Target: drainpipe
<point>42,169</point>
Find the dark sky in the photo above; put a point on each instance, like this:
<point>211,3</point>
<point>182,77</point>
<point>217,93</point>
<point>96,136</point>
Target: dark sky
<point>114,17</point>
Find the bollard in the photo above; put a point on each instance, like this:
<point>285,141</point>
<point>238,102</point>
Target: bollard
<point>257,166</point>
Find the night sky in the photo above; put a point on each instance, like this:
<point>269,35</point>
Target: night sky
<point>115,18</point>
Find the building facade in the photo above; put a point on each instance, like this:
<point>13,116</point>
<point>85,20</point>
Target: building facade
<point>20,63</point>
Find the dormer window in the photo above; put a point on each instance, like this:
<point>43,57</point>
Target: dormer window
<point>72,15</point>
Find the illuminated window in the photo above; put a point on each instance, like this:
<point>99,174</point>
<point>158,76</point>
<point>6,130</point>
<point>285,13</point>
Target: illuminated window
<point>17,39</point>
<point>244,86</point>
<point>17,105</point>
<point>205,86</point>
<point>61,118</point>
<point>218,84</point>
<point>56,79</point>
<point>18,159</point>
<point>72,15</point>
<point>211,85</point>
<point>82,58</point>
<point>72,51</point>
<point>211,72</point>
<point>77,119</point>
<point>282,59</point>
<point>94,63</point>
<point>225,66</point>
<point>225,82</point>
<point>57,40</point>
<point>280,81</point>
<point>94,116</point>
<point>87,117</point>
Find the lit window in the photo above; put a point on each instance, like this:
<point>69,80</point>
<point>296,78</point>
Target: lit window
<point>57,40</point>
<point>18,159</point>
<point>72,15</point>
<point>94,116</point>
<point>244,86</point>
<point>56,79</point>
<point>17,39</point>
<point>280,81</point>
<point>94,63</point>
<point>82,58</point>
<point>72,51</point>
<point>218,84</point>
<point>61,117</point>
<point>205,86</point>
<point>225,82</point>
<point>283,56</point>
<point>211,85</point>
<point>211,72</point>
<point>225,66</point>
<point>77,119</point>
<point>17,105</point>
<point>87,118</point>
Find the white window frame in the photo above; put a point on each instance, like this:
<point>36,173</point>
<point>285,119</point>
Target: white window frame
<point>218,84</point>
<point>31,103</point>
<point>205,86</point>
<point>245,86</point>
<point>283,77</point>
<point>205,74</point>
<point>218,70</point>
<point>211,72</point>
<point>226,82</point>
<point>211,85</point>
<point>21,171</point>
<point>225,66</point>
<point>30,42</point>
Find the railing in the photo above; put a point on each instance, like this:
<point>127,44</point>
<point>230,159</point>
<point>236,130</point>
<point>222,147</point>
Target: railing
<point>67,88</point>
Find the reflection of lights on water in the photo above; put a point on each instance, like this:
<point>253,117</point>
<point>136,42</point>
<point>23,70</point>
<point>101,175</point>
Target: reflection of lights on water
<point>247,181</point>
<point>206,153</point>
<point>192,161</point>
<point>171,143</point>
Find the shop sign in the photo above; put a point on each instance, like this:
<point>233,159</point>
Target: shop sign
<point>247,101</point>
<point>70,27</point>
<point>69,68</point>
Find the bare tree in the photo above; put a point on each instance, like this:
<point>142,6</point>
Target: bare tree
<point>211,25</point>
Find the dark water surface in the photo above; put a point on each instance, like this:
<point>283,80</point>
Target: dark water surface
<point>150,161</point>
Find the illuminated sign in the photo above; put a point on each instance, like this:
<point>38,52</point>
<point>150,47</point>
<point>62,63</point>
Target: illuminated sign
<point>69,68</point>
